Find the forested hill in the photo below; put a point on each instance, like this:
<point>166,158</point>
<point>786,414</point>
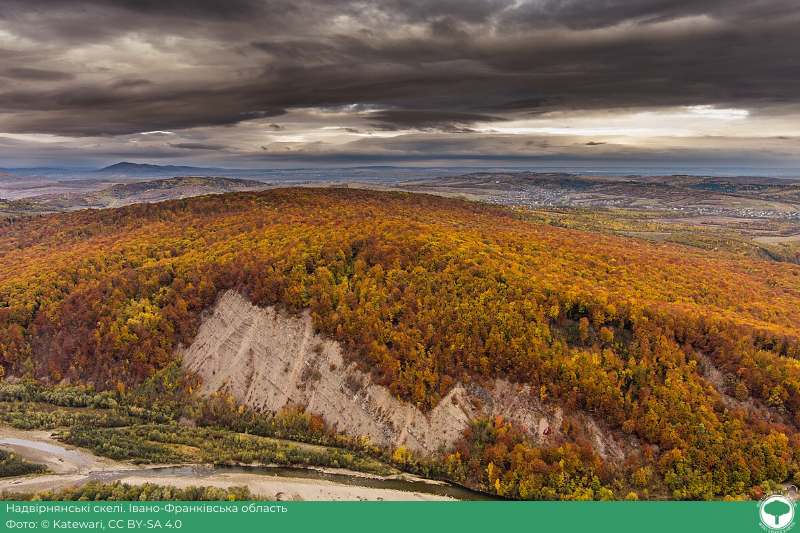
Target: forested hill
<point>427,291</point>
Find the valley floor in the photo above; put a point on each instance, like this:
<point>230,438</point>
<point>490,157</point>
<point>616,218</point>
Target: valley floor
<point>73,466</point>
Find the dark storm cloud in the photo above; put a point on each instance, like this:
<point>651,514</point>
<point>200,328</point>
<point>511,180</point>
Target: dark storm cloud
<point>198,146</point>
<point>88,111</point>
<point>578,14</point>
<point>35,74</point>
<point>193,9</point>
<point>128,83</point>
<point>602,13</point>
<point>428,120</point>
<point>99,68</point>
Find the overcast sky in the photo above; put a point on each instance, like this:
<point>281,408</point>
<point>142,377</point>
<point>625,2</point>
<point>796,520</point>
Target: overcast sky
<point>254,83</point>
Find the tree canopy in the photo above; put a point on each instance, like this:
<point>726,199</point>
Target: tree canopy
<point>425,291</point>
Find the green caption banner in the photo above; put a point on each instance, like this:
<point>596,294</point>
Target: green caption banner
<point>216,517</point>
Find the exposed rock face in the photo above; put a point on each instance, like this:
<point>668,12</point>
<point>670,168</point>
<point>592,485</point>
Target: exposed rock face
<point>718,382</point>
<point>267,360</point>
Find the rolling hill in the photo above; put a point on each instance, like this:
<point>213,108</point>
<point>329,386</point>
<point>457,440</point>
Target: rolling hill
<point>674,366</point>
<point>146,191</point>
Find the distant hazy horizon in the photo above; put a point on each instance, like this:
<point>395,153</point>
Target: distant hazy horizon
<point>334,173</point>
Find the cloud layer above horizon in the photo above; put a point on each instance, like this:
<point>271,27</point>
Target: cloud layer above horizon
<point>259,83</point>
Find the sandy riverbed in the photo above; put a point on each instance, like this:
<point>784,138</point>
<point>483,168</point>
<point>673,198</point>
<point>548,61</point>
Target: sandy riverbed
<point>73,466</point>
<point>289,488</point>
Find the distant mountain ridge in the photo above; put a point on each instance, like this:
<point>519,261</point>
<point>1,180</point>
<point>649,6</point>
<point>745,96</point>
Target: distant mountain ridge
<point>126,168</point>
<point>130,170</point>
<point>147,191</point>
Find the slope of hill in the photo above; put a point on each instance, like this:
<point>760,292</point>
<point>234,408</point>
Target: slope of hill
<point>9,177</point>
<point>755,216</point>
<point>146,191</point>
<point>691,353</point>
<point>20,207</point>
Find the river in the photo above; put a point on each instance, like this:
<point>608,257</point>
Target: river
<point>292,473</point>
<point>78,466</point>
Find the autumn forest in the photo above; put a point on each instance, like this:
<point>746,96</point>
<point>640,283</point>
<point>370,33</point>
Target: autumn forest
<point>425,292</point>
